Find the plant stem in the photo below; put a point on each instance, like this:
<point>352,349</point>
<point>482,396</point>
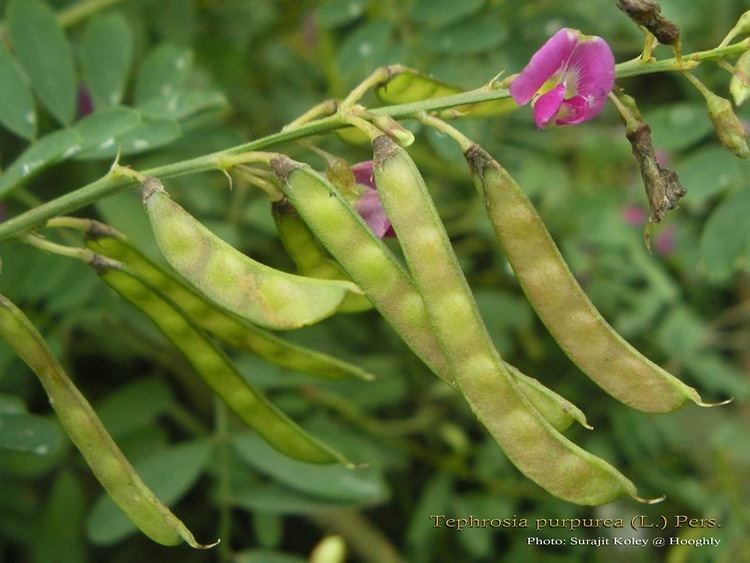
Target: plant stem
<point>113,183</point>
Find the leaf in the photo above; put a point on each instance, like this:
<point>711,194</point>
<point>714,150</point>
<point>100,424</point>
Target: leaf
<point>678,126</point>
<point>44,52</point>
<point>102,127</point>
<point>169,473</point>
<point>16,103</point>
<point>725,243</point>
<point>183,103</point>
<point>276,499</point>
<point>116,411</point>
<point>365,49</point>
<point>30,433</point>
<point>61,523</point>
<point>708,172</point>
<point>42,154</point>
<point>10,404</point>
<point>266,556</point>
<point>106,55</point>
<point>163,73</point>
<point>413,86</point>
<point>441,12</point>
<point>147,136</point>
<point>477,35</point>
<point>434,500</point>
<point>335,13</point>
<point>331,482</point>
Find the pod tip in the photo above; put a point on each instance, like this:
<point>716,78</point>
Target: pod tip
<point>197,545</point>
<point>656,500</point>
<point>586,425</point>
<point>717,404</point>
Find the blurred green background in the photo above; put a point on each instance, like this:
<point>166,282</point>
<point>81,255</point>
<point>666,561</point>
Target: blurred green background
<point>686,306</point>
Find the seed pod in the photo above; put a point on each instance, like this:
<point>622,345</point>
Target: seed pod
<point>727,125</point>
<point>217,371</point>
<point>739,85</point>
<point>384,280</point>
<point>588,340</point>
<point>648,14</point>
<point>228,328</point>
<point>528,440</point>
<point>87,432</point>
<point>242,286</point>
<point>310,257</point>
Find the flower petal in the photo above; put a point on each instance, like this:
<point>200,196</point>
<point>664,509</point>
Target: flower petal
<point>364,174</point>
<point>593,63</point>
<point>547,105</point>
<point>550,58</point>
<point>573,111</point>
<point>371,209</point>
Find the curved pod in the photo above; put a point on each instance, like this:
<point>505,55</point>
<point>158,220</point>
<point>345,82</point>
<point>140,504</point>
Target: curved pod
<point>89,435</point>
<point>263,295</point>
<point>578,327</point>
<point>531,443</point>
<point>369,262</point>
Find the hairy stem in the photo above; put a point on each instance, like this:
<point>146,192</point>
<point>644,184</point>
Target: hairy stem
<point>113,183</point>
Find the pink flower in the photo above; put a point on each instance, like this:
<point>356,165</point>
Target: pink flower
<point>567,80</point>
<point>369,205</point>
<point>634,215</point>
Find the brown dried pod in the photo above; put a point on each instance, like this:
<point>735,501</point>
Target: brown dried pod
<point>648,14</point>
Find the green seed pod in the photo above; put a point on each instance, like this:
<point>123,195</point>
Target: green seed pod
<point>258,293</point>
<point>228,328</point>
<point>311,258</point>
<point>588,340</point>
<point>217,371</point>
<point>87,432</point>
<point>739,85</point>
<point>526,437</point>
<point>386,283</point>
<point>727,125</point>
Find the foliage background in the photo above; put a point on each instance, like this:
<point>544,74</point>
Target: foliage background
<point>685,306</point>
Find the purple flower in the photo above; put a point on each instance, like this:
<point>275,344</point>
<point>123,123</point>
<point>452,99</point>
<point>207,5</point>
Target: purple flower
<point>666,241</point>
<point>369,205</point>
<point>634,215</point>
<point>567,80</point>
<point>85,103</point>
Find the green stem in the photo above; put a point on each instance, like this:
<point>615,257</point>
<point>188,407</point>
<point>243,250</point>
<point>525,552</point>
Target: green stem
<point>113,183</point>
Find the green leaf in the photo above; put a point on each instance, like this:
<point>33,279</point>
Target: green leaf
<point>116,411</point>
<point>10,404</point>
<point>45,54</point>
<point>276,499</point>
<point>678,126</point>
<point>335,13</point>
<point>365,49</point>
<point>42,154</point>
<point>60,524</point>
<point>477,35</point>
<point>725,243</point>
<point>163,73</point>
<point>30,433</point>
<point>434,499</point>
<point>169,473</point>
<point>106,55</point>
<point>708,172</point>
<point>183,103</point>
<point>149,135</point>
<point>16,103</point>
<point>100,129</point>
<point>441,12</point>
<point>266,556</point>
<point>329,481</point>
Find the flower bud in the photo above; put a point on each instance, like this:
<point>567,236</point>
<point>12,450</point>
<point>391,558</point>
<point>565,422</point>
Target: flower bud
<point>739,86</point>
<point>726,124</point>
<point>394,129</point>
